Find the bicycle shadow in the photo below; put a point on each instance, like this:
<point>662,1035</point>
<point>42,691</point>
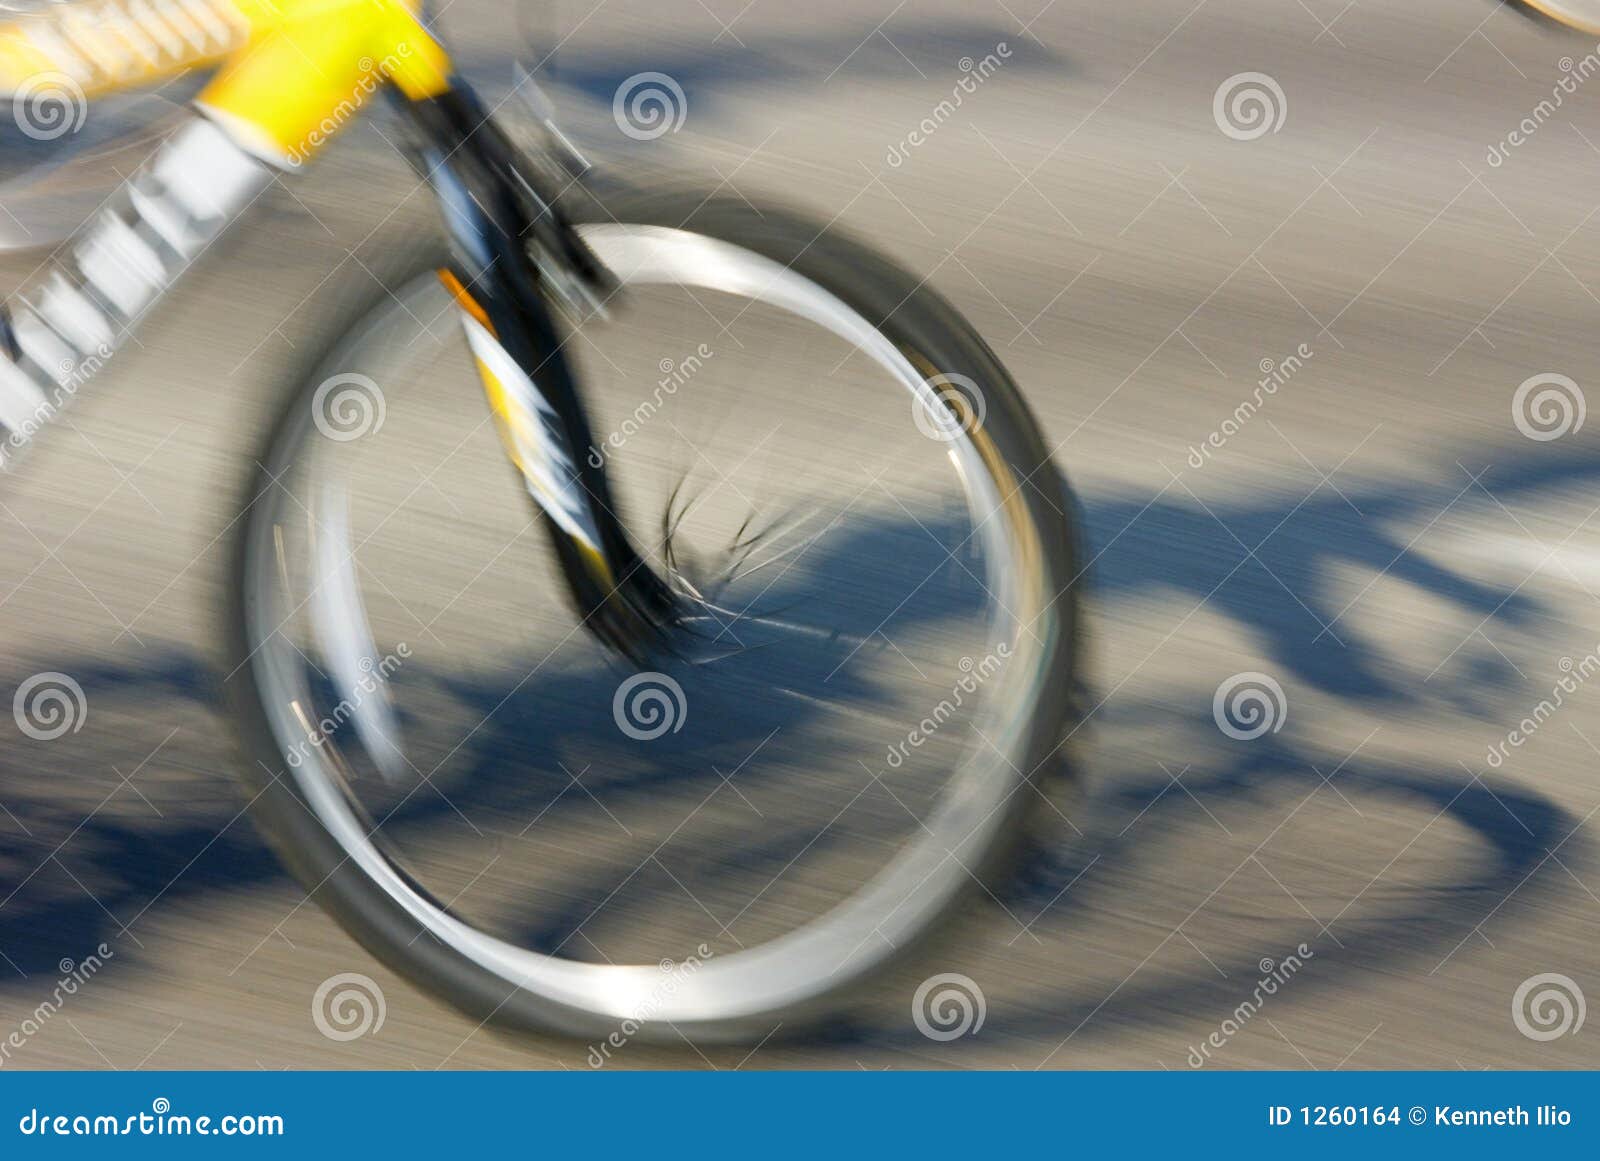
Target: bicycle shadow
<point>1276,569</point>
<point>710,73</point>
<point>73,881</point>
<point>1510,828</point>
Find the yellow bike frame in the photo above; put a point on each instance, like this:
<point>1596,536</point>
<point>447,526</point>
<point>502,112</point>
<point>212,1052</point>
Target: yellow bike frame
<point>291,73</point>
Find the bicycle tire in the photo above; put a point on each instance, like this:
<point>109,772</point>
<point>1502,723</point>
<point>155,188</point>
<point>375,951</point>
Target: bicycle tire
<point>916,321</point>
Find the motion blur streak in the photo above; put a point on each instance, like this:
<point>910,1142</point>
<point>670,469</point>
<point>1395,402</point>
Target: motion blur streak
<point>1144,229</point>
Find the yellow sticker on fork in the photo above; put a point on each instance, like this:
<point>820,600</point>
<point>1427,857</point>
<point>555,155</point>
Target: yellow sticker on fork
<point>525,421</point>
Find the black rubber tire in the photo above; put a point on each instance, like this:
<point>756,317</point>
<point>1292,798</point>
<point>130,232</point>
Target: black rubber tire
<point>918,321</point>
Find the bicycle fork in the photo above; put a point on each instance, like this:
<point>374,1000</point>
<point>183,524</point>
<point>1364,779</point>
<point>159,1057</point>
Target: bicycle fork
<point>514,252</point>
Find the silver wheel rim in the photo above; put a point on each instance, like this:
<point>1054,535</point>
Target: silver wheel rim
<point>1583,15</point>
<point>730,994</point>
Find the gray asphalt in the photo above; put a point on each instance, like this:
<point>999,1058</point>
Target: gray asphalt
<point>1377,535</point>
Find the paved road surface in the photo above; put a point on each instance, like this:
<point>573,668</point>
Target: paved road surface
<point>1377,533</point>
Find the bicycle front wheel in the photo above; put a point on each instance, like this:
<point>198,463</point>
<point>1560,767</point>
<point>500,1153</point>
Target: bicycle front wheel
<point>841,479</point>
